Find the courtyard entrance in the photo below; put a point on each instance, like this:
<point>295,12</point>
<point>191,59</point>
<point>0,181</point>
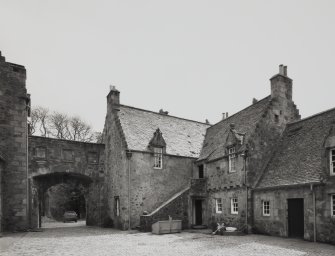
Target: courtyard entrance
<point>58,193</point>
<point>295,208</point>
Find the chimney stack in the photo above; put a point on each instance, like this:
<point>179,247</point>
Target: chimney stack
<point>113,97</point>
<point>281,84</point>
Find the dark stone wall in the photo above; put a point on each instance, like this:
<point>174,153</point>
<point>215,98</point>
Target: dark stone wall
<point>177,209</point>
<point>2,163</point>
<point>227,217</point>
<point>13,143</point>
<point>54,166</point>
<point>261,145</point>
<point>116,179</point>
<point>276,224</point>
<point>151,187</point>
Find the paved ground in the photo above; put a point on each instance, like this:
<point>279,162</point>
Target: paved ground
<point>77,239</point>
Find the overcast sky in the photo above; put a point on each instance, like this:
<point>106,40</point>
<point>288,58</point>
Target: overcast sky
<point>195,59</point>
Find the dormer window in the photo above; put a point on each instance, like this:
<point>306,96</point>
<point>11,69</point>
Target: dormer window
<point>157,145</point>
<point>158,158</point>
<point>332,161</point>
<point>232,157</point>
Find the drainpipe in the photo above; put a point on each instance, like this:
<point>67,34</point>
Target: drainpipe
<point>314,213</point>
<point>245,155</point>
<point>27,172</point>
<point>129,155</point>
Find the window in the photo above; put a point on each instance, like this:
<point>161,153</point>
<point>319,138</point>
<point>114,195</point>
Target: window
<point>232,159</point>
<point>67,154</point>
<point>158,154</point>
<point>332,161</point>
<point>117,206</point>
<point>40,152</point>
<point>332,203</point>
<point>266,208</point>
<point>201,171</point>
<point>218,205</point>
<point>234,205</point>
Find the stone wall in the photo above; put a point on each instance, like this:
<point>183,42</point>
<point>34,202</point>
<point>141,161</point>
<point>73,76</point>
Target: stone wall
<point>2,163</point>
<point>276,224</point>
<point>177,209</point>
<point>13,142</point>
<point>116,163</point>
<point>261,145</point>
<point>227,217</point>
<point>53,161</point>
<point>152,187</point>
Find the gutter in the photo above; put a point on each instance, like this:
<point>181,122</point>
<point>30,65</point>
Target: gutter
<point>289,186</point>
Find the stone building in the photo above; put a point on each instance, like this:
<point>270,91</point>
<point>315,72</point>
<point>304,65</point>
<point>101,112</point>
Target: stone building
<point>296,194</point>
<point>14,110</point>
<point>236,150</point>
<point>149,159</point>
<point>262,169</point>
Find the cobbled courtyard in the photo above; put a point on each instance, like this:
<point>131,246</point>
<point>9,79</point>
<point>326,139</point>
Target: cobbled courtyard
<point>77,239</point>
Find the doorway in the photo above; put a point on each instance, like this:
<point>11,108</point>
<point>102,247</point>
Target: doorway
<point>295,209</point>
<point>198,211</point>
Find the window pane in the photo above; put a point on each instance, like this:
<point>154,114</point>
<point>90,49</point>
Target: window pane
<point>234,206</point>
<point>333,205</point>
<point>158,155</point>
<point>266,208</point>
<point>218,205</point>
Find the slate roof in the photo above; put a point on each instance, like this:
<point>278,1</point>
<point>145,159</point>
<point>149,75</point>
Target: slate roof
<point>298,159</point>
<point>245,122</point>
<point>183,137</point>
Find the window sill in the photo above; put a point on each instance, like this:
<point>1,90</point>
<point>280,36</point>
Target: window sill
<point>234,213</point>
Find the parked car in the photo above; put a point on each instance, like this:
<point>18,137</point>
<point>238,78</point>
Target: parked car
<point>70,216</point>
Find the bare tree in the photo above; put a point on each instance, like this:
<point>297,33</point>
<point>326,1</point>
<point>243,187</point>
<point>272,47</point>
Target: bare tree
<point>59,125</point>
<point>39,121</point>
<point>33,123</point>
<point>98,138</point>
<point>79,130</point>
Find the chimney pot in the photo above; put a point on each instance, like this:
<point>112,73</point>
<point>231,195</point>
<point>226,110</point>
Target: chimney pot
<point>285,70</point>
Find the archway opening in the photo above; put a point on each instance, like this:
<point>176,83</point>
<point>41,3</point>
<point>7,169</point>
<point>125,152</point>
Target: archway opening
<point>61,198</point>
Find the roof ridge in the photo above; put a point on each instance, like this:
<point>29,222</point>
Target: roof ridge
<point>150,111</point>
<point>240,111</point>
<point>312,116</point>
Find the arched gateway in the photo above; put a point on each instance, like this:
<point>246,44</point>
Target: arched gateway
<point>79,164</point>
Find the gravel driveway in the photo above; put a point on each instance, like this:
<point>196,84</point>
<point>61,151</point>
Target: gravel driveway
<point>77,239</point>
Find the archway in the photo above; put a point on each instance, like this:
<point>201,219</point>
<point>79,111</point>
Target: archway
<point>68,191</point>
